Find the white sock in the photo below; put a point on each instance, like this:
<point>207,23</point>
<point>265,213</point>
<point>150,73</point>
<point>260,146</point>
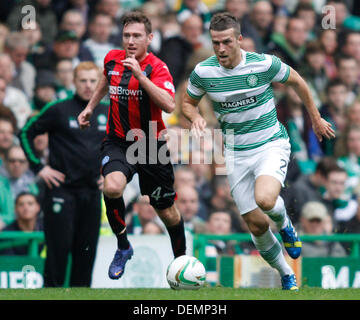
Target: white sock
<point>278,214</point>
<point>271,250</point>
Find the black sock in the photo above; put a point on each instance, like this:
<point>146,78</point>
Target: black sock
<point>177,237</point>
<point>115,212</point>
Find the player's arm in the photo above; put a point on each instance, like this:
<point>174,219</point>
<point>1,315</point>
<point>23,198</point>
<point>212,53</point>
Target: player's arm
<point>321,127</point>
<point>158,95</point>
<point>100,92</point>
<point>191,112</point>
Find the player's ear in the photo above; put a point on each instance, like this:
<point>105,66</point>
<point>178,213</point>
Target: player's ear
<point>150,37</point>
<point>239,39</point>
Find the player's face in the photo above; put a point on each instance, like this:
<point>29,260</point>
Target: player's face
<point>136,40</point>
<point>85,83</point>
<point>226,46</point>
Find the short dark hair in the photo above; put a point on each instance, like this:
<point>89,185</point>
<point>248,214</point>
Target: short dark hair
<point>314,47</point>
<point>223,21</point>
<point>137,17</point>
<point>327,165</point>
<point>334,83</point>
<point>343,57</point>
<point>26,193</point>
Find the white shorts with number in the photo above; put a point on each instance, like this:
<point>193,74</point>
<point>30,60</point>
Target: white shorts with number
<point>245,167</point>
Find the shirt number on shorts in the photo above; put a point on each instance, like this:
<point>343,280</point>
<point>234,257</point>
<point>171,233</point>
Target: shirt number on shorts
<point>283,166</point>
<point>156,194</point>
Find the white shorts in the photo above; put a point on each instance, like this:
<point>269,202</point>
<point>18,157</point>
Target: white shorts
<point>245,167</point>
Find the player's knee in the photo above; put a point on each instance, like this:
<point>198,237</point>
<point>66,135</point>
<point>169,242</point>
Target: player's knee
<point>113,190</point>
<point>265,202</point>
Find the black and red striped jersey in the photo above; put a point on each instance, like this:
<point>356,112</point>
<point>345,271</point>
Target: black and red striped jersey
<point>130,105</point>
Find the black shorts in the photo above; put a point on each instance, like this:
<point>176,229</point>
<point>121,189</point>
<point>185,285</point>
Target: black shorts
<point>156,179</point>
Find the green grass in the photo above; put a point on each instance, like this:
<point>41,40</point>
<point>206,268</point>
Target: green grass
<point>168,294</point>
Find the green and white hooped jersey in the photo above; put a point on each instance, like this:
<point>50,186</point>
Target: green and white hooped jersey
<point>242,98</point>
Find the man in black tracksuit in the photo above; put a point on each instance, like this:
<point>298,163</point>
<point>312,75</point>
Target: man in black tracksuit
<point>72,204</point>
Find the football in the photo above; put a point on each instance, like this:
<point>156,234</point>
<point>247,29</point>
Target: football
<point>186,272</point>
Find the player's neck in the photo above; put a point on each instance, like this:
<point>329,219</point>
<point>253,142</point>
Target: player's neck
<point>237,60</point>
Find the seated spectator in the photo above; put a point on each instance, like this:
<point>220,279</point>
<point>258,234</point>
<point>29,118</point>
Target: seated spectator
<point>334,111</point>
<point>315,220</point>
<point>73,20</point>
<point>18,47</point>
<point>64,75</point>
<point>306,12</point>
<point>27,209</point>
<point>184,176</point>
<point>187,203</point>
<point>16,170</point>
<point>248,44</point>
<point>34,36</point>
<point>314,72</point>
<point>99,33</point>
<point>142,213</point>
<point>328,40</point>
<point>290,47</point>
<point>7,136</point>
<point>222,200</point>
<point>14,98</point>
<point>308,188</point>
<point>44,90</point>
<point>348,73</point>
<point>351,44</point>
<point>66,45</point>
<point>151,10</point>
<point>353,114</point>
<point>191,7</point>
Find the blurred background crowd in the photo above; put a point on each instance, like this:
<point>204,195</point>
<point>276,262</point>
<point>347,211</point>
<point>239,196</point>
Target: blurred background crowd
<point>322,191</point>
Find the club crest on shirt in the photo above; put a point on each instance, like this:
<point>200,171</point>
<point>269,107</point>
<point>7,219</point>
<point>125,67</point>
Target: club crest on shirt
<point>252,80</point>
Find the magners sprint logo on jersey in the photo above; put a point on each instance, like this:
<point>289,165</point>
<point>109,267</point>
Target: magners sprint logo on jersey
<point>239,103</point>
<point>123,93</point>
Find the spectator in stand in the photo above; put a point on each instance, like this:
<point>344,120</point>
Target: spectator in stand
<point>64,78</point>
<point>290,47</point>
<point>328,39</point>
<point>248,44</point>
<point>313,71</point>
<point>348,73</point>
<point>334,111</point>
<point>114,10</point>
<point>349,155</point>
<point>27,210</point>
<point>7,137</point>
<point>4,31</point>
<point>151,10</point>
<point>44,90</point>
<point>142,213</point>
<point>66,46</point>
<point>176,50</point>
<point>240,10</point>
<point>73,20</point>
<point>45,16</point>
<point>308,188</point>
<point>14,98</point>
<point>99,33</point>
<point>191,7</point>
<point>187,203</point>
<point>353,114</point>
<point>16,170</point>
<point>341,13</point>
<point>152,227</point>
<point>17,46</point>
<point>7,115</point>
<point>315,220</point>
<point>306,12</point>
<point>351,45</point>
<point>184,176</point>
<point>34,36</point>
<point>261,16</point>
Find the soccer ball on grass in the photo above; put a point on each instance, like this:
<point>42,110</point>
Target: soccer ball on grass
<point>186,272</point>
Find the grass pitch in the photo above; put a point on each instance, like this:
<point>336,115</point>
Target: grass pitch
<point>168,294</point>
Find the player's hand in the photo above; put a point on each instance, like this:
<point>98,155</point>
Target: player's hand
<point>322,128</point>
<point>51,177</point>
<point>84,118</point>
<point>131,63</point>
<point>198,126</point>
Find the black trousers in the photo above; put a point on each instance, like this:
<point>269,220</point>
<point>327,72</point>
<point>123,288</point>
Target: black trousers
<point>71,226</point>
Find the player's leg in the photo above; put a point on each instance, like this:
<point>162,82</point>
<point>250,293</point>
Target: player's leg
<point>270,173</point>
<point>117,172</point>
<point>156,181</point>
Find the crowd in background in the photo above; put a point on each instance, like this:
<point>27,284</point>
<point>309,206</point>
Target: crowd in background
<point>37,59</point>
